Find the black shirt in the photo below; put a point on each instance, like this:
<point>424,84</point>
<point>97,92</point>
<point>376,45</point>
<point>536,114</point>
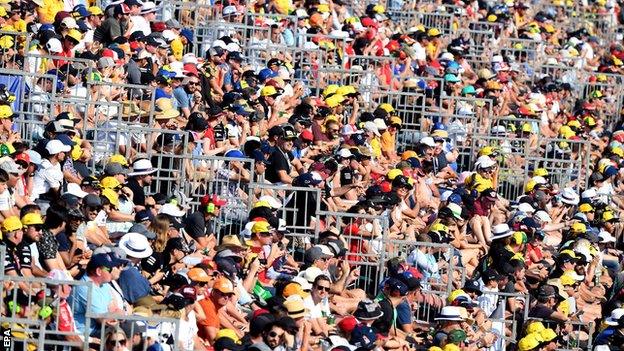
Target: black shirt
<point>383,324</point>
<point>138,196</point>
<point>346,176</point>
<point>280,161</point>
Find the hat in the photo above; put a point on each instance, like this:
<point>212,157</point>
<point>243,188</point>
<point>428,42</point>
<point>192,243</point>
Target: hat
<point>315,253</point>
<point>55,146</point>
<point>546,291</point>
<point>114,168</point>
<point>450,313</point>
<point>484,162</point>
<point>32,218</point>
<point>176,301</point>
<point>100,260</point>
<point>148,7</point>
<point>135,245</point>
<point>472,286</point>
<point>197,274</point>
<point>172,210</point>
<point>224,285</point>
<point>230,242</point>
<point>142,229</point>
<point>363,337</point>
<point>92,200</point>
<point>614,318</point>
<point>142,166</point>
<point>569,196</point>
<point>500,231</point>
<point>10,167</point>
<point>311,273</point>
<point>368,310</point>
<point>489,275</point>
<point>295,308</point>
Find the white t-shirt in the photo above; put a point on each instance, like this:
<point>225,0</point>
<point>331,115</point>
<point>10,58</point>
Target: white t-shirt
<point>139,23</point>
<point>188,330</point>
<point>318,310</point>
<point>47,177</point>
<point>6,201</point>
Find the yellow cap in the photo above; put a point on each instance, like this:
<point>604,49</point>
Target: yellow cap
<point>6,111</point>
<point>261,204</point>
<point>541,172</point>
<point>492,18</point>
<point>408,154</point>
<point>439,228</point>
<point>519,238</point>
<point>268,90</point>
<point>585,208</point>
<point>569,253</point>
<point>608,215</point>
<point>451,347</point>
<point>453,295</point>
<point>379,9</point>
<point>567,280</point>
<point>261,227</point>
<point>483,184</point>
<point>434,32</point>
<point>334,100</point>
<point>530,185</point>
<point>574,123</point>
<point>528,343</point>
<point>517,256</point>
<point>548,335</point>
<point>590,121</point>
<point>111,195</point>
<point>579,228</point>
<point>435,348</point>
<point>535,327</point>
<point>330,89</point>
<point>387,107</point>
<point>74,34</point>
<point>95,11</point>
<point>6,42</point>
<point>346,90</point>
<point>601,77</point>
<point>393,173</point>
<point>32,219</point>
<point>110,183</point>
<point>11,223</point>
<point>322,8</point>
<point>526,127</point>
<point>617,151</point>
<point>294,289</point>
<point>487,151</point>
<point>227,333</point>
<point>395,120</point>
<point>117,158</point>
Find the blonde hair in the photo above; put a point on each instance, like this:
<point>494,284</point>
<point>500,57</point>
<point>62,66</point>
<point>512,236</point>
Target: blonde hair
<point>160,226</point>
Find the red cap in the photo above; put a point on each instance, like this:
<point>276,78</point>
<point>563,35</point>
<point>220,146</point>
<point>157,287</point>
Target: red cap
<point>307,136</point>
<point>259,312</point>
<point>393,45</point>
<point>158,26</point>
<point>435,64</point>
<point>190,70</point>
<point>347,324</point>
<point>368,22</point>
<point>212,199</point>
<point>385,186</point>
<point>189,292</point>
<point>23,157</point>
<point>109,53</point>
<point>352,229</point>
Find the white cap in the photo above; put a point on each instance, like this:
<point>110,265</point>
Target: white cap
<point>569,196</point>
<point>69,22</point>
<point>56,146</point>
<point>428,141</point>
<point>606,237</point>
<point>148,7</point>
<point>380,123</point>
<point>169,35</point>
<point>613,319</point>
<point>371,127</point>
<point>526,208</point>
<point>218,43</point>
<point>171,210</point>
<point>74,189</point>
<point>189,58</point>
<point>301,13</point>
<point>543,216</point>
<point>445,195</point>
<point>497,58</point>
<point>447,56</point>
<point>589,193</point>
<point>311,273</point>
<point>539,180</point>
<point>273,202</point>
<point>305,285</point>
<point>348,129</point>
<point>233,47</point>
<point>484,162</point>
<point>499,130</point>
<point>54,45</point>
<point>345,153</point>
<point>230,10</point>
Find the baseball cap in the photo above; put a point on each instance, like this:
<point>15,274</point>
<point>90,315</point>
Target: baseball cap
<point>224,285</point>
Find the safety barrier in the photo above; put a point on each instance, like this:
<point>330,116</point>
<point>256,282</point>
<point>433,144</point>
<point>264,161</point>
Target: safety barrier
<point>142,332</point>
<point>511,310</point>
<point>249,36</point>
<point>300,208</point>
<point>427,306</point>
<point>574,335</point>
<point>12,45</point>
<point>435,261</point>
<point>364,235</point>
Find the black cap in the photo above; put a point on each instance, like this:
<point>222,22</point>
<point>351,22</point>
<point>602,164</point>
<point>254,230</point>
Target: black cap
<point>472,286</point>
<point>235,55</point>
<point>490,275</point>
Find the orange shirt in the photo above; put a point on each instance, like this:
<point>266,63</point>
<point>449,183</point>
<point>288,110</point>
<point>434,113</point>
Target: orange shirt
<point>211,314</point>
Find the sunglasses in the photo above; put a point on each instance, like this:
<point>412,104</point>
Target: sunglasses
<point>120,342</point>
<point>193,83</point>
<point>322,288</point>
<point>265,234</point>
<point>37,227</point>
<point>275,335</point>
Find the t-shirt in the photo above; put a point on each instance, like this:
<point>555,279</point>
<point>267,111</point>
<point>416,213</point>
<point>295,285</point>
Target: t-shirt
<point>6,201</point>
<point>107,31</point>
<point>47,245</point>
<point>138,194</point>
<point>212,320</point>
<point>280,161</point>
<point>17,258</point>
<point>383,324</point>
<point>133,285</point>
<point>100,300</point>
<point>404,313</point>
<point>387,142</point>
<point>47,177</point>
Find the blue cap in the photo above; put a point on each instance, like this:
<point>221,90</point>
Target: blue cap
<point>258,156</point>
<point>414,162</point>
<point>363,336</point>
<point>80,11</point>
<point>234,154</point>
<point>45,27</point>
<point>265,74</point>
<point>609,171</point>
<point>240,110</point>
<point>65,139</point>
<point>358,139</point>
<point>305,180</point>
<point>266,148</point>
<point>439,126</point>
<point>100,260</point>
<point>396,285</point>
<point>143,215</point>
<point>187,33</point>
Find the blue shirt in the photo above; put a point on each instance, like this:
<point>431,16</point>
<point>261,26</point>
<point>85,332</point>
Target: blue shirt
<point>100,299</point>
<point>404,313</point>
<point>182,97</point>
<point>133,285</point>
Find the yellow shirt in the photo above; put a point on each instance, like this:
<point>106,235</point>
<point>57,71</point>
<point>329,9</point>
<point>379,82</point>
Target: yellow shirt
<point>49,10</point>
<point>388,142</point>
<point>376,147</point>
